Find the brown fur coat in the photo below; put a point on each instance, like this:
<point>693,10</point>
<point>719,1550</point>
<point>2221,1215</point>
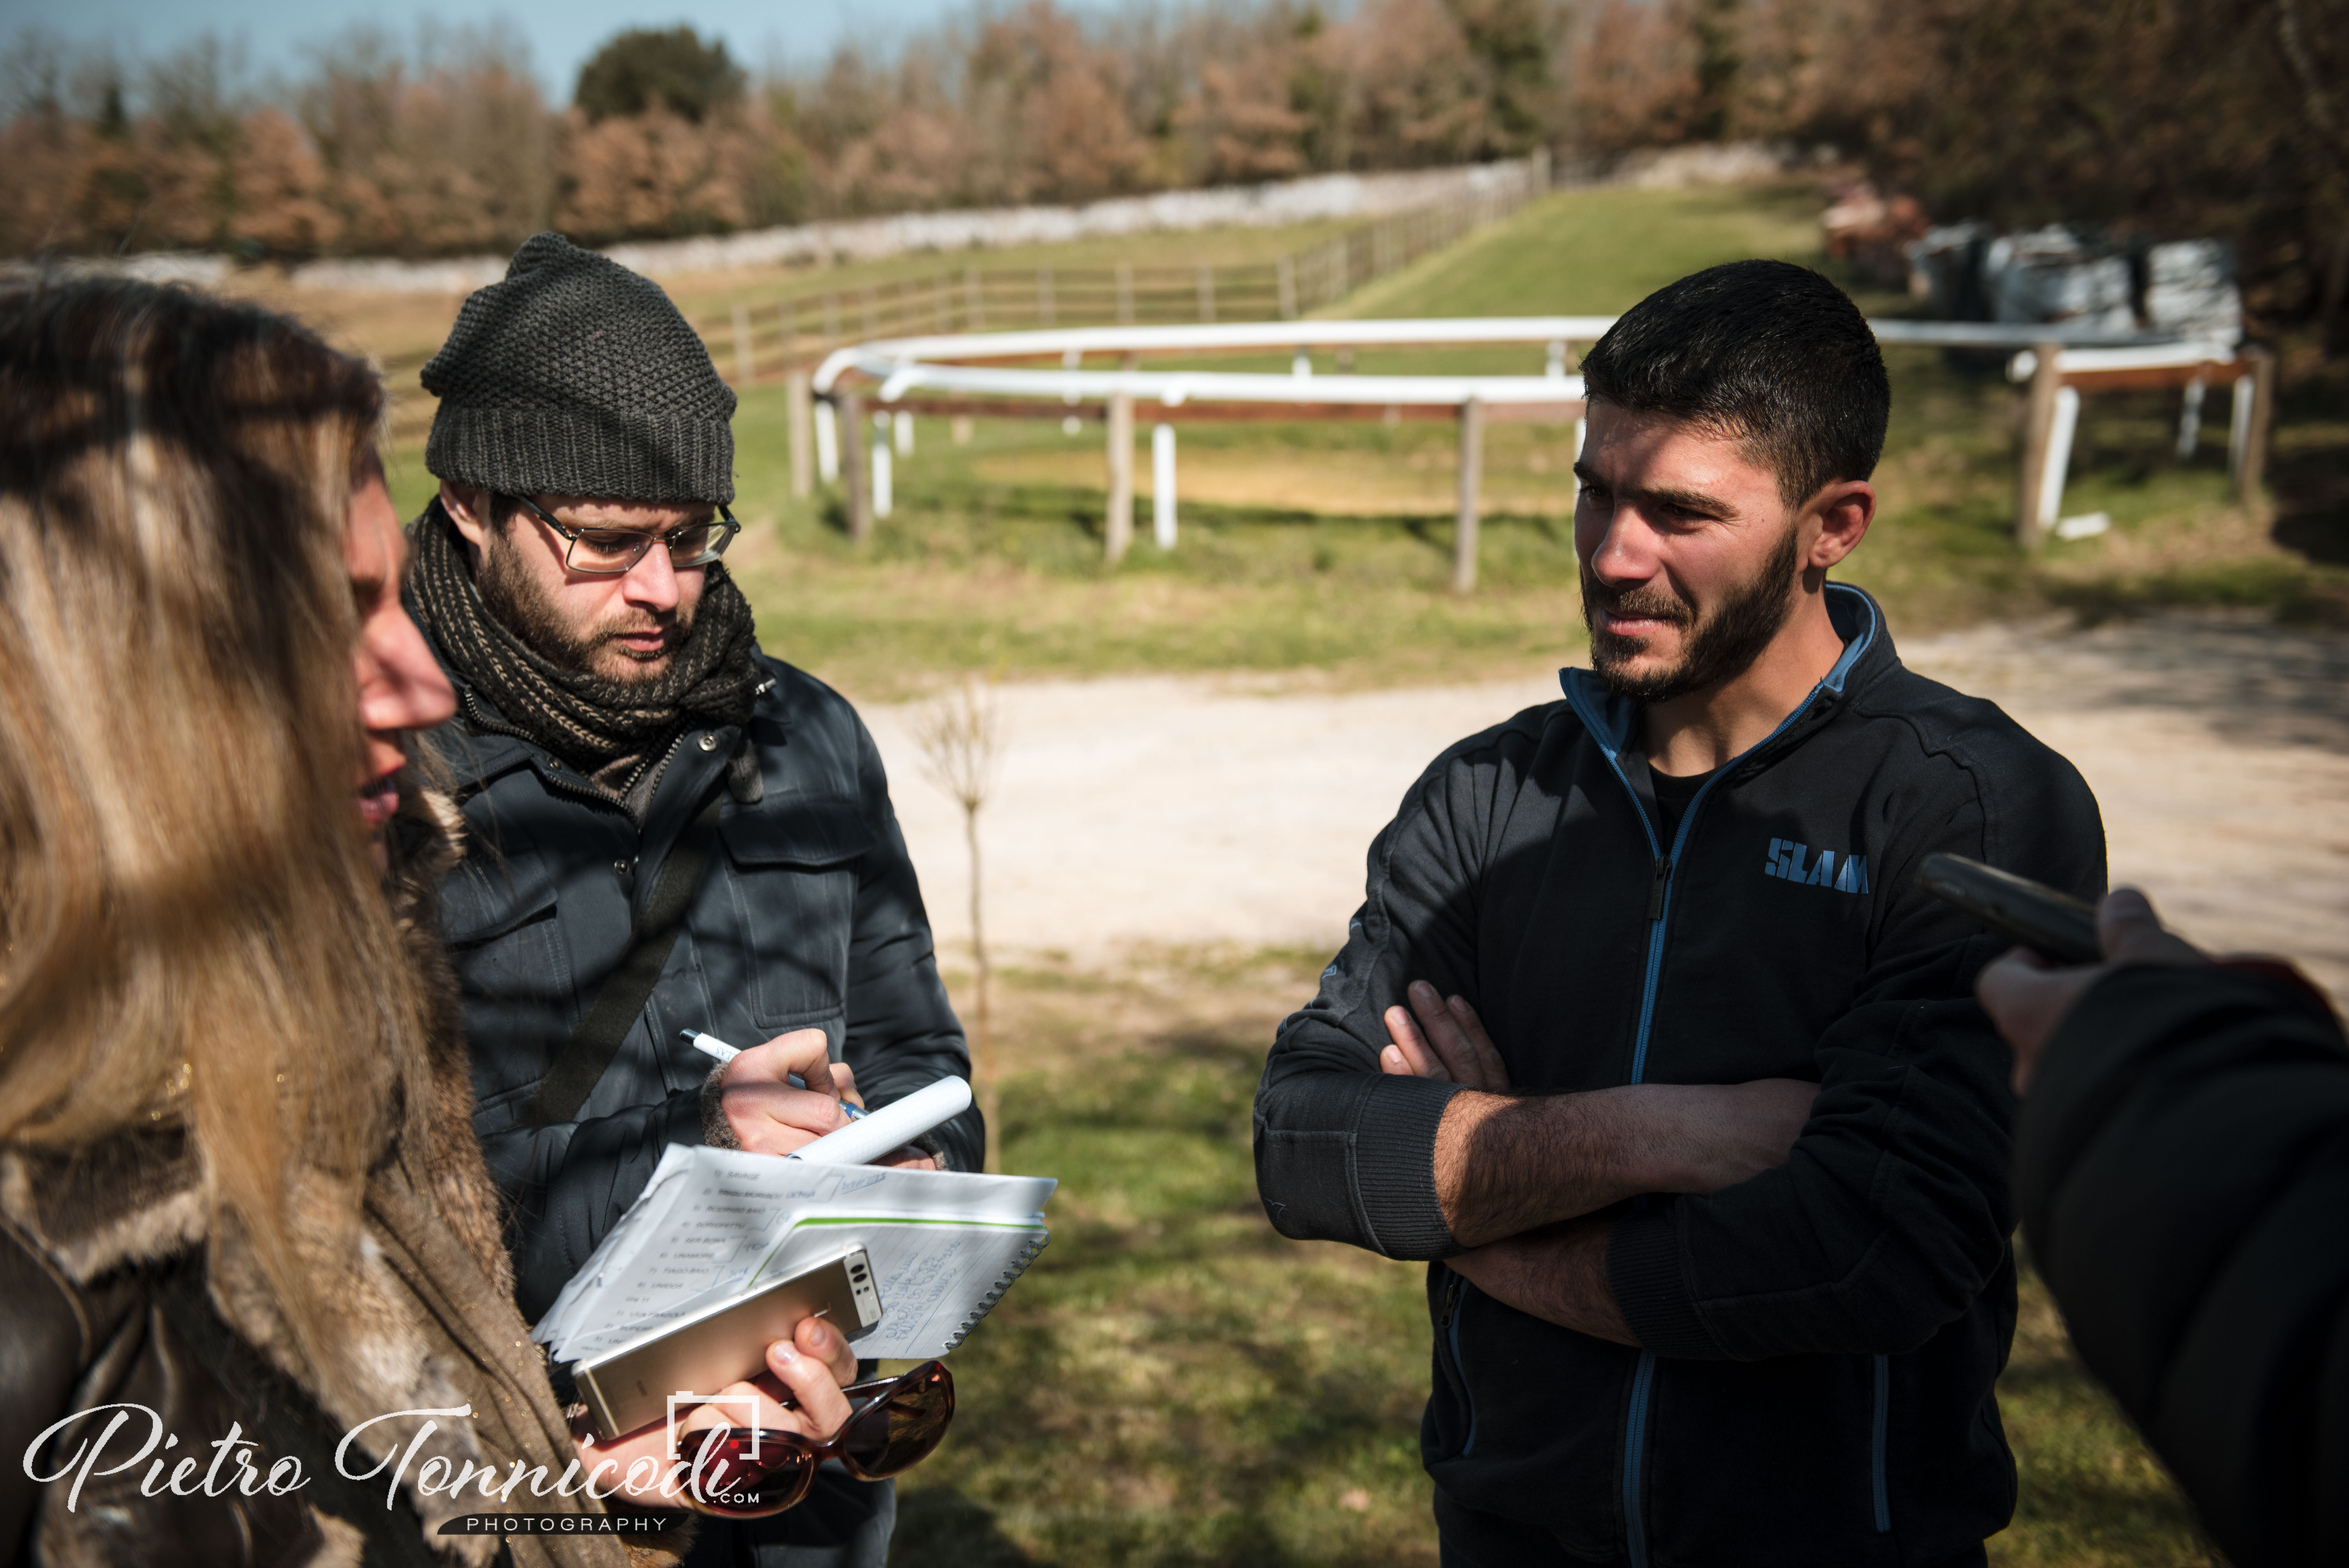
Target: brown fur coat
<point>432,1326</point>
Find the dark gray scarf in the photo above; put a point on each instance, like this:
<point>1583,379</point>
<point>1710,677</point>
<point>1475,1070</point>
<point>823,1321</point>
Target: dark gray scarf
<point>584,719</point>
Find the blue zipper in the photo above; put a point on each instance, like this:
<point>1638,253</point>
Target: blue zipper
<point>1660,903</point>
<point>1635,1424</point>
<point>1875,1451</point>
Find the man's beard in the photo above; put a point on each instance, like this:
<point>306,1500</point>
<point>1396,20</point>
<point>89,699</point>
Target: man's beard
<point>1717,645</point>
<point>523,607</point>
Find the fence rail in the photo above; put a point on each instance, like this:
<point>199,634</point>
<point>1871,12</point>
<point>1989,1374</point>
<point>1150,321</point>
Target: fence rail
<point>761,342</point>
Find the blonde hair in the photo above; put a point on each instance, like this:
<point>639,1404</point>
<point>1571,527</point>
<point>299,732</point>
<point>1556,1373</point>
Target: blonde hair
<point>196,935</point>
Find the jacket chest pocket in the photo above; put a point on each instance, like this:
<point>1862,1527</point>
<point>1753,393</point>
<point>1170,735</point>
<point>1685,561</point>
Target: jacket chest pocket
<point>792,869</point>
<point>514,967</point>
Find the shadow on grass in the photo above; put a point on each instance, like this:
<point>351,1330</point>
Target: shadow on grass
<point>938,1525</point>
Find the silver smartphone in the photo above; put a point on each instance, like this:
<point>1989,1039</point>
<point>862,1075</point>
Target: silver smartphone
<point>631,1386</point>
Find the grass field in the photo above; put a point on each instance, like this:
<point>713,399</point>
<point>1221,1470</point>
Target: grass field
<point>1173,1383</point>
<point>1326,548</point>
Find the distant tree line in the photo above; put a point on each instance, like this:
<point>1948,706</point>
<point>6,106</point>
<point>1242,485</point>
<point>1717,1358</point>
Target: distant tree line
<point>2184,117</point>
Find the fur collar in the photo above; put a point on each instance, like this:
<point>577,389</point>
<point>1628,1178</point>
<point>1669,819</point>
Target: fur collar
<point>428,1300</point>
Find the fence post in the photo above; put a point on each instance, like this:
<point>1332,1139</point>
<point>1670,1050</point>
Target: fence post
<point>2249,472</point>
<point>800,416</point>
<point>885,484</point>
<point>2038,426</point>
<point>827,441</point>
<point>1207,293</point>
<point>1162,486</point>
<point>1285,270</point>
<point>1118,532</point>
<point>1044,296</point>
<point>1125,293</point>
<point>974,301</point>
<point>854,435</point>
<point>743,364</point>
<point>1472,472</point>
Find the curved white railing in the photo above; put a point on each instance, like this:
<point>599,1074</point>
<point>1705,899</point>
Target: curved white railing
<point>883,358</point>
<point>954,369</point>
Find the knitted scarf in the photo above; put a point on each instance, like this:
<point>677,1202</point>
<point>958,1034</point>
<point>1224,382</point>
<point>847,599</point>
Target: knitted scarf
<point>584,719</point>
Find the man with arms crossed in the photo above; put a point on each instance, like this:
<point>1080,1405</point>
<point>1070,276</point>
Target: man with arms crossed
<point>1646,1032</point>
<point>668,830</point>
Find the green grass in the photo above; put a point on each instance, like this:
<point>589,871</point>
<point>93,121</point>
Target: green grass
<point>1325,549</point>
<point>1598,253</point>
<point>1173,1383</point>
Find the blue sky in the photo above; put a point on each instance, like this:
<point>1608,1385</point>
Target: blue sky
<point>560,32</point>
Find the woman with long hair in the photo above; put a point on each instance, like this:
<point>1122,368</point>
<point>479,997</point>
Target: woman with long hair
<point>243,1221</point>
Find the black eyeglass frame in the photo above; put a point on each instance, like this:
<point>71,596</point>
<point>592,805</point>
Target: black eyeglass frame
<point>724,522</point>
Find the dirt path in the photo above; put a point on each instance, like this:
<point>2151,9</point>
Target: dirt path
<point>1182,811</point>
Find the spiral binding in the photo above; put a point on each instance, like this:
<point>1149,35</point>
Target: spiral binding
<point>1002,1284</point>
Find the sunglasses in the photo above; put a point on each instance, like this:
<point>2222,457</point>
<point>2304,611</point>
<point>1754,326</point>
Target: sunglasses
<point>746,1471</point>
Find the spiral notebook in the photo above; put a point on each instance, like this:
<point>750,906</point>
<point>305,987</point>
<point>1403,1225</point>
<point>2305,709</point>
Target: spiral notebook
<point>714,1223</point>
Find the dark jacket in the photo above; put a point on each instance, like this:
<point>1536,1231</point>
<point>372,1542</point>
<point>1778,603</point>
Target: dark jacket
<point>2182,1172</point>
<point>1821,1341</point>
<point>807,916</point>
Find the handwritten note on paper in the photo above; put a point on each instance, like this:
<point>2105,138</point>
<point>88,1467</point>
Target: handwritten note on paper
<point>713,1222</point>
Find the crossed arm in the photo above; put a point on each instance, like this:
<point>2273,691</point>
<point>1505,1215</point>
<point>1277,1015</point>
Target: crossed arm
<point>1518,1175</point>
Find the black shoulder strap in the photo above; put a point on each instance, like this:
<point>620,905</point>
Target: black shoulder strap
<point>580,1065</point>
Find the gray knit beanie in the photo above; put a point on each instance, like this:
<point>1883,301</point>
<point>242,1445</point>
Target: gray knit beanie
<point>575,376</point>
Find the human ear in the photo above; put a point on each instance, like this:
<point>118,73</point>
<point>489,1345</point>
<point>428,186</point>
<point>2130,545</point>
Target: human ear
<point>469,509</point>
<point>1844,510</point>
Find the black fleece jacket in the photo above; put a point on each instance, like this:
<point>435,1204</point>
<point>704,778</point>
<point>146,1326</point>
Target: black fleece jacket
<point>2182,1172</point>
<point>1821,1341</point>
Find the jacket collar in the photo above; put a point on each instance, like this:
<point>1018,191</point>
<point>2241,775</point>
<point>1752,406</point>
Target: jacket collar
<point>1867,654</point>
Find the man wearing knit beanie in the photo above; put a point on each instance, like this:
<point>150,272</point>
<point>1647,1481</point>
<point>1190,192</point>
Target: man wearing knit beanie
<point>670,831</point>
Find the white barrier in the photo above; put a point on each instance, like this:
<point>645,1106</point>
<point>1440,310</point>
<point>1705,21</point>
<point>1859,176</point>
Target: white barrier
<point>959,366</point>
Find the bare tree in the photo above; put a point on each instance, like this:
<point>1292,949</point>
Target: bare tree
<point>961,738</point>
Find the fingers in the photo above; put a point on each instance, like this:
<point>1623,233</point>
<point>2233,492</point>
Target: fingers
<point>2026,998</point>
<point>844,1079</point>
<point>772,1119</point>
<point>766,1114</point>
<point>1407,1051</point>
<point>2131,931</point>
<point>812,1384</point>
<point>817,1337</point>
<point>804,1052</point>
<point>1459,1039</point>
<point>1488,1054</point>
<point>2005,983</point>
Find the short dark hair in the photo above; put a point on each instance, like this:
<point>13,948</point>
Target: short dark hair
<point>1767,352</point>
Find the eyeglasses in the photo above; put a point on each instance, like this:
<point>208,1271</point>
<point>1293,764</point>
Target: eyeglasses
<point>609,552</point>
<point>748,1471</point>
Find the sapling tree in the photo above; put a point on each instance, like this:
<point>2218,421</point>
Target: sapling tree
<point>961,737</point>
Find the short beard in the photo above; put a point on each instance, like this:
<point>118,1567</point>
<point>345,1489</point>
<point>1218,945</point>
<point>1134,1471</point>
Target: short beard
<point>517,602</point>
<point>1719,644</point>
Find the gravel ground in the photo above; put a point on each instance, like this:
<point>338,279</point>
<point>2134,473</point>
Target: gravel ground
<point>1183,812</point>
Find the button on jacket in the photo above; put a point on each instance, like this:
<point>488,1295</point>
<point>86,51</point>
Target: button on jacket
<point>1821,1341</point>
<point>807,916</point>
